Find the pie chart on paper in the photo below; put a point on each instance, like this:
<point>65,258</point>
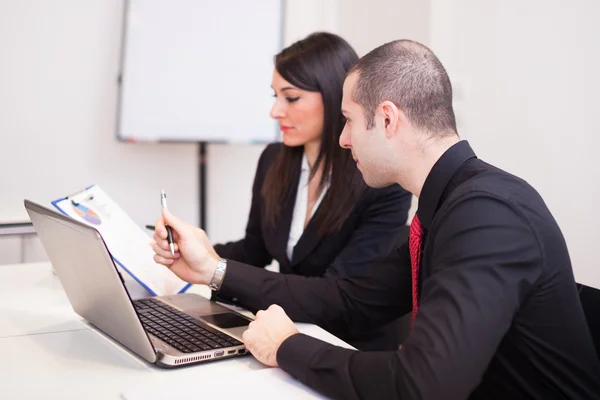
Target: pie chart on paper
<point>87,214</point>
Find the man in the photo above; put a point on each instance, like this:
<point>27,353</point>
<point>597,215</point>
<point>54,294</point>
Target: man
<point>495,308</point>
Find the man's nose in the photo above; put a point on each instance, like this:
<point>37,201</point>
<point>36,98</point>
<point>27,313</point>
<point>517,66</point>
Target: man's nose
<point>345,138</point>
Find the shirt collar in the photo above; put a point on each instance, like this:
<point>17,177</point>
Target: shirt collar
<point>305,170</point>
<point>438,178</point>
<point>304,167</point>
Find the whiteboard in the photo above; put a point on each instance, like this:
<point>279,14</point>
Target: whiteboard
<point>198,70</point>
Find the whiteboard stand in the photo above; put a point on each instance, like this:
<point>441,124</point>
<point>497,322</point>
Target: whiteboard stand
<point>202,184</point>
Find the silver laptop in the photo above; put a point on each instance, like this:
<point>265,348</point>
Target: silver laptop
<point>168,331</point>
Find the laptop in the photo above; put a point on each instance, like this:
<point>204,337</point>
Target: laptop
<point>168,331</point>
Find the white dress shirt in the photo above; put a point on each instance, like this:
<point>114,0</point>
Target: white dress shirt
<point>299,216</point>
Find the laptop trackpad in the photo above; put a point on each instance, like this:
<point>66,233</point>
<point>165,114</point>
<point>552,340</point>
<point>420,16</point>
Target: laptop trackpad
<point>226,320</point>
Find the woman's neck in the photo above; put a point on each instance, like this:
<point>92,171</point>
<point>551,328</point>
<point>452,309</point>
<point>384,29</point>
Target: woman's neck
<point>311,150</point>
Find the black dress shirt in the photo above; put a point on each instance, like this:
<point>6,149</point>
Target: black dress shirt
<point>375,228</point>
<point>499,315</point>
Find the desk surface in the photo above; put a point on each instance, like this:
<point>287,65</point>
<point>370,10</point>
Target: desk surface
<point>15,223</point>
<point>14,216</point>
<point>18,228</point>
<point>48,351</point>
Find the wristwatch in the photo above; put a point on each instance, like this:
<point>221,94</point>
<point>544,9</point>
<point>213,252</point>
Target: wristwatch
<point>217,279</point>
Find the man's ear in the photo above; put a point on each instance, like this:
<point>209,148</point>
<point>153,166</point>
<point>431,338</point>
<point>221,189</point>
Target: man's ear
<point>392,117</point>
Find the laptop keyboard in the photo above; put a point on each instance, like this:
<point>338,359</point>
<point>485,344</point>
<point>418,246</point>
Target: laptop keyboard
<point>178,329</point>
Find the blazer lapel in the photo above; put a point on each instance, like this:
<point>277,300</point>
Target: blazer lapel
<point>307,241</point>
<point>283,225</point>
<point>282,229</point>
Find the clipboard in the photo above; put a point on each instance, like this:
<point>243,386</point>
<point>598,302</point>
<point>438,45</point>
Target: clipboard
<point>127,242</point>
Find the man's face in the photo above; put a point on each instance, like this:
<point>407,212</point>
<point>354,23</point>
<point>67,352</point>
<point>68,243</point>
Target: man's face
<point>370,148</point>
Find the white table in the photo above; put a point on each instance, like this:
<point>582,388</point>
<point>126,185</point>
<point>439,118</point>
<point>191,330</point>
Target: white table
<point>47,351</point>
<point>17,225</point>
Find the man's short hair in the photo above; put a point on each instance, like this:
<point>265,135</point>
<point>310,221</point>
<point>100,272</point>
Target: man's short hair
<point>408,74</point>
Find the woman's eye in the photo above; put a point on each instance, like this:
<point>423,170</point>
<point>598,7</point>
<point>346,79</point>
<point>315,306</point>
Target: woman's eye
<point>292,99</point>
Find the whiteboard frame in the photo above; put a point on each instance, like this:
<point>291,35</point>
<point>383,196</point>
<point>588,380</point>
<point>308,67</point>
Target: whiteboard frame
<point>122,55</point>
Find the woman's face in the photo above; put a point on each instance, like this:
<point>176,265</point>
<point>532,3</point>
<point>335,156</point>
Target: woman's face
<point>300,113</point>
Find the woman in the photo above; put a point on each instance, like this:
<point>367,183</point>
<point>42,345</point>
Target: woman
<point>311,210</point>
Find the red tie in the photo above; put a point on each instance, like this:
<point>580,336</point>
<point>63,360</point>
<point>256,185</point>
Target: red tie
<point>415,239</point>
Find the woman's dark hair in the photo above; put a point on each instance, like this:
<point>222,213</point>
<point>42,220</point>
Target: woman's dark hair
<point>318,63</point>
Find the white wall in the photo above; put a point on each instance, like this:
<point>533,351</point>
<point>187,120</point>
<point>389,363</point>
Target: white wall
<point>525,93</point>
<point>57,125</point>
<point>303,17</point>
<point>58,105</point>
<point>58,89</point>
<point>368,24</point>
<point>57,114</point>
<point>527,83</point>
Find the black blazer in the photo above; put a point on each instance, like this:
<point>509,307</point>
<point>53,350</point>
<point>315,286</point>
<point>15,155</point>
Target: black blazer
<point>376,226</point>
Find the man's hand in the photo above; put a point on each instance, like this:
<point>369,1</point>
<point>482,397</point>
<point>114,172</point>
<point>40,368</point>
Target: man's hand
<point>267,332</point>
<point>195,260</point>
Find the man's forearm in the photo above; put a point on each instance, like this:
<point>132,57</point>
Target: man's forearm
<point>341,373</point>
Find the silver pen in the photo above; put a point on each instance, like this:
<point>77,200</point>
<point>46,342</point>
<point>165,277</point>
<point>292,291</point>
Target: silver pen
<point>163,204</point>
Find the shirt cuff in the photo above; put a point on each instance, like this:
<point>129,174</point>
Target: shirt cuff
<point>241,284</point>
<point>296,353</point>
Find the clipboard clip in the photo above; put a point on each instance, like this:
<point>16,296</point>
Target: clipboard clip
<point>82,195</point>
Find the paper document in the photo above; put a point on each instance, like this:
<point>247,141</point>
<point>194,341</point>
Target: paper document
<point>127,242</point>
<point>264,384</point>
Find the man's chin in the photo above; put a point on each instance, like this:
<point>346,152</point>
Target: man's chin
<point>374,183</point>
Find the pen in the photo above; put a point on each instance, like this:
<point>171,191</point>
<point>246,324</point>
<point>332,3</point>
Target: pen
<point>163,204</point>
